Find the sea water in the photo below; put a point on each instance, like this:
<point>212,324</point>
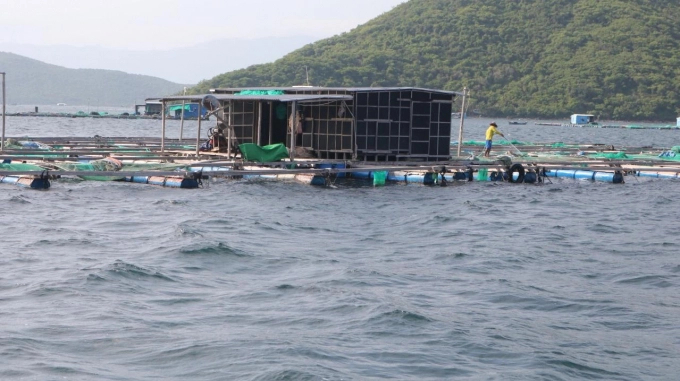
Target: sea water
<point>259,280</point>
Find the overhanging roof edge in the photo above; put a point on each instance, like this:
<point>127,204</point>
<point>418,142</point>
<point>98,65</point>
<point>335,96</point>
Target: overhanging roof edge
<point>279,98</point>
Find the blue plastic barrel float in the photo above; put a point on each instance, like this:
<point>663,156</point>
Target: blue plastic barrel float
<point>609,177</point>
<point>434,178</point>
<point>311,179</point>
<point>165,181</point>
<point>657,175</point>
<point>39,183</point>
<point>332,166</point>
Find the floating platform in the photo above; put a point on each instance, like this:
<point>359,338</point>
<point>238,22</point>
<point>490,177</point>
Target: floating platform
<point>142,161</point>
<point>626,126</point>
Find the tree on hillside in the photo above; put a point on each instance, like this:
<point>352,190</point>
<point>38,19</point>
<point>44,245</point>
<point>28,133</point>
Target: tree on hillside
<point>618,59</point>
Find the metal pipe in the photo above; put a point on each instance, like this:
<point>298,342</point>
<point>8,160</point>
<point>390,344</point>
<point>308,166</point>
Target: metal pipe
<point>462,121</point>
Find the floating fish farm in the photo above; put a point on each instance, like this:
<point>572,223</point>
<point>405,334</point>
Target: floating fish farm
<point>320,136</point>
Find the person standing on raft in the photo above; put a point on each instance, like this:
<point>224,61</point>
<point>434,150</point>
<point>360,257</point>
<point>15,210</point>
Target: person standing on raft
<point>490,132</point>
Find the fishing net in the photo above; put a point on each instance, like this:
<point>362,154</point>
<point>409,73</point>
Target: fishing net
<point>473,143</point>
<point>106,165</point>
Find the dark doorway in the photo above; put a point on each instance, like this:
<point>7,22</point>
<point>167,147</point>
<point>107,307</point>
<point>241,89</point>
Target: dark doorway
<point>274,115</point>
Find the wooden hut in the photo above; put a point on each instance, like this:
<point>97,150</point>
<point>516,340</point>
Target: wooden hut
<point>367,124</point>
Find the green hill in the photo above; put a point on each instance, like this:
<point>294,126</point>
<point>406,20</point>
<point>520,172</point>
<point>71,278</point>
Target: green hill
<point>618,59</point>
<point>33,82</point>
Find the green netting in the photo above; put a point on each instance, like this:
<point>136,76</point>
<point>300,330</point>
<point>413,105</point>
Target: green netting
<point>151,166</point>
<point>558,145</point>
<point>20,167</point>
<point>676,149</point>
<point>483,174</point>
<point>260,92</point>
<point>95,165</point>
<point>473,143</point>
<point>513,142</point>
<point>266,154</point>
<point>379,178</point>
<point>618,155</point>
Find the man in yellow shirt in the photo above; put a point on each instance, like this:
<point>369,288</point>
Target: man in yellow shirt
<point>490,132</point>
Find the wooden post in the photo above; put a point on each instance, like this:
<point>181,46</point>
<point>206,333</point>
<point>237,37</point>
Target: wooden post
<point>293,129</point>
<point>231,121</point>
<point>4,102</point>
<point>198,134</point>
<point>181,124</point>
<point>163,126</point>
<point>271,120</point>
<point>259,123</point>
<point>462,121</point>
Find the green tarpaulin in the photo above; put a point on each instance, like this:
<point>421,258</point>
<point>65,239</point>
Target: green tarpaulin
<point>266,154</point>
<point>187,107</point>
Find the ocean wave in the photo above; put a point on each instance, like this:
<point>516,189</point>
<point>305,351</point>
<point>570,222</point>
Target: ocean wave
<point>124,270</point>
<point>399,316</point>
<point>220,248</point>
<point>20,199</point>
<point>288,375</point>
<point>657,281</point>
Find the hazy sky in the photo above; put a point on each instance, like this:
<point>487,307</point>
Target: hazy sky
<point>155,24</point>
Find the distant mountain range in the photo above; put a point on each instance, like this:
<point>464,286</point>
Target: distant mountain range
<point>33,82</point>
<point>617,59</point>
<point>182,65</point>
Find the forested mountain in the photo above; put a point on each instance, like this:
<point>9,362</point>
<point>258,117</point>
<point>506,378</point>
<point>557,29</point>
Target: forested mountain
<point>34,82</point>
<point>619,59</point>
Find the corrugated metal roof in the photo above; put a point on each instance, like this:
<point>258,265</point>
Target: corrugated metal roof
<point>276,98</point>
<point>350,89</point>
